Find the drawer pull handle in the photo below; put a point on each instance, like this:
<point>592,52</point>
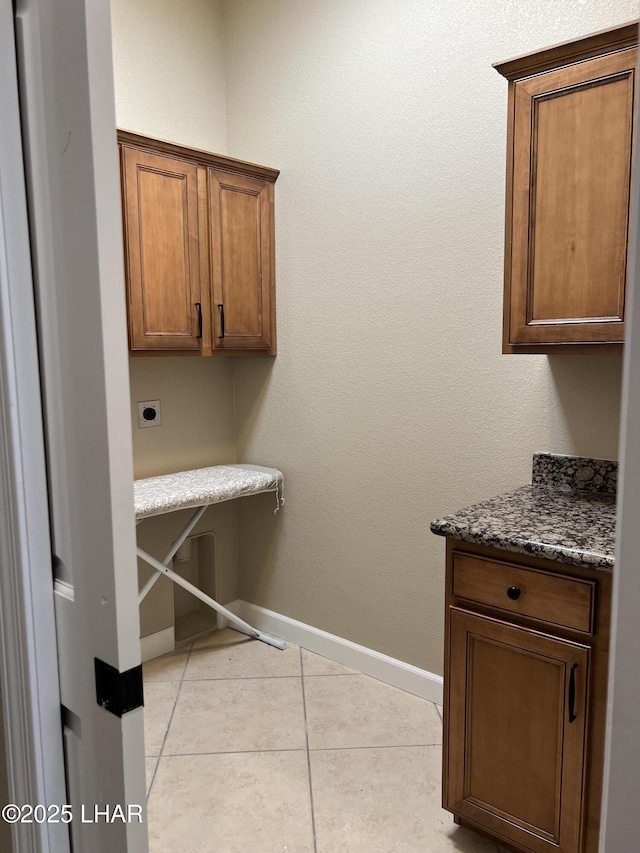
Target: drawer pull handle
<point>572,693</point>
<point>199,311</point>
<point>221,310</point>
<point>514,593</point>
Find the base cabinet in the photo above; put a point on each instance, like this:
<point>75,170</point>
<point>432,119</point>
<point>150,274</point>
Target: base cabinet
<point>524,702</point>
<point>517,709</point>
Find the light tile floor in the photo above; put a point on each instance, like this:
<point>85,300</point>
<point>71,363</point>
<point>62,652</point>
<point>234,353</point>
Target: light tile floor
<point>254,749</point>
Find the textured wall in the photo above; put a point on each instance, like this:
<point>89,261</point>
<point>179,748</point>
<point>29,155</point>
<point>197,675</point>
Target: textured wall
<point>169,81</point>
<point>196,402</point>
<point>389,402</point>
<point>169,71</point>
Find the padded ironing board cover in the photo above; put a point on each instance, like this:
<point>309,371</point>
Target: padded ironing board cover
<point>202,486</point>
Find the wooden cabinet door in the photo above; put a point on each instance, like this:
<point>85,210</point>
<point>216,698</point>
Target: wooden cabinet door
<point>570,195</point>
<point>242,258</point>
<point>515,756</point>
<point>160,196</point>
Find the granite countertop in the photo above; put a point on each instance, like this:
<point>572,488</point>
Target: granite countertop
<point>568,513</point>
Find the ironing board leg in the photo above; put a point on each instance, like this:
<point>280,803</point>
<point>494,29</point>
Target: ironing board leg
<point>186,530</point>
<point>241,625</point>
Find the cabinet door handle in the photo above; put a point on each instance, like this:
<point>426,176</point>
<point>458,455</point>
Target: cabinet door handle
<point>199,310</point>
<point>572,693</point>
<point>514,593</point>
<point>221,310</point>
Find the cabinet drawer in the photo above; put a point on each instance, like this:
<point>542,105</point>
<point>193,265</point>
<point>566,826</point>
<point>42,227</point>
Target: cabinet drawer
<point>554,599</point>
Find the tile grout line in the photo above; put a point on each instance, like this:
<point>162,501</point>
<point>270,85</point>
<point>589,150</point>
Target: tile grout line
<point>262,677</point>
<point>295,749</point>
<point>306,738</point>
<point>153,778</point>
<point>182,680</point>
<point>229,752</point>
<point>376,746</point>
<point>245,678</point>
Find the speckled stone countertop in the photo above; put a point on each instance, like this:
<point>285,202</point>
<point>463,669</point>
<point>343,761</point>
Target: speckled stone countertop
<point>568,513</point>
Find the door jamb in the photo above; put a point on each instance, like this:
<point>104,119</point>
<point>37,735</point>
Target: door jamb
<point>28,652</point>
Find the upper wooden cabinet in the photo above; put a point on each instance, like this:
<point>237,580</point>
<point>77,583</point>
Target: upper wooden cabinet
<point>570,144</point>
<point>160,196</point>
<point>199,250</point>
<point>241,222</point>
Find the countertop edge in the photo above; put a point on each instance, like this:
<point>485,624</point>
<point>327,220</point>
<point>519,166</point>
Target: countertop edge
<point>584,559</point>
<point>567,514</point>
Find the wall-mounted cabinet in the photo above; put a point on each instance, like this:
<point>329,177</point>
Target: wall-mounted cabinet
<point>570,138</point>
<point>241,229</point>
<point>199,250</point>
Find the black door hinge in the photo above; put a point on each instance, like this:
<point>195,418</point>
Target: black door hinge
<point>118,692</point>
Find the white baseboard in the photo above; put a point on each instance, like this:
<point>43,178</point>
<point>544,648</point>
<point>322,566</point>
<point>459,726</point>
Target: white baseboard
<point>384,668</point>
<point>154,645</point>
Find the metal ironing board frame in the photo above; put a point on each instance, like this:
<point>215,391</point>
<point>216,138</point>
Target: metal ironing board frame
<point>173,492</point>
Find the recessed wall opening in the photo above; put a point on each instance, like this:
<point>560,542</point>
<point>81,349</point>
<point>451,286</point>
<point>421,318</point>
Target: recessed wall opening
<point>195,561</point>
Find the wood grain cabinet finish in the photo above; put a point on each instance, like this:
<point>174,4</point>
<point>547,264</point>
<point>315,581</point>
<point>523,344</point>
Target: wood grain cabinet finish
<point>199,250</point>
<point>160,196</point>
<point>569,162</point>
<point>525,698</point>
<point>241,220</point>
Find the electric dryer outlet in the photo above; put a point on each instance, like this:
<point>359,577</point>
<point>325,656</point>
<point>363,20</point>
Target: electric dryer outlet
<point>149,414</point>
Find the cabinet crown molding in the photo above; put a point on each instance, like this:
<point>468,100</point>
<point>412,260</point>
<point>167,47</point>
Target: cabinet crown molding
<point>196,155</point>
<point>566,53</point>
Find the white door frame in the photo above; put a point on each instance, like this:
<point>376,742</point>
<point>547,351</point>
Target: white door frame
<point>620,827</point>
<point>67,119</point>
<point>29,663</point>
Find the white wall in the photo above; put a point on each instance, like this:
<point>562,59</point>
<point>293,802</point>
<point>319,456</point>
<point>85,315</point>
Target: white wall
<point>196,404</point>
<point>389,402</point>
<point>170,84</point>
<point>169,70</point>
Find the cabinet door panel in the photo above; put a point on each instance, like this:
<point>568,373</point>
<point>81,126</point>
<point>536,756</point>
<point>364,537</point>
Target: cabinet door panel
<point>162,241</point>
<point>580,203</point>
<point>517,703</point>
<point>571,191</point>
<point>241,260</point>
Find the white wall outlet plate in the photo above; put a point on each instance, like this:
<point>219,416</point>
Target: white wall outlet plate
<point>149,414</point>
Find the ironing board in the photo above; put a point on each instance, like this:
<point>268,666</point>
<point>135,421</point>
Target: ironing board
<point>197,490</point>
